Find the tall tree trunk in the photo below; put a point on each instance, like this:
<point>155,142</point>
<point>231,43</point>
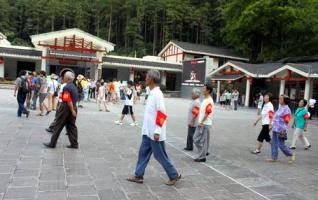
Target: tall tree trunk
<point>154,35</point>
<point>52,22</point>
<point>110,22</point>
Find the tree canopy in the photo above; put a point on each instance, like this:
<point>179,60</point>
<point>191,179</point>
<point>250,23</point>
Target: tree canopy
<point>264,30</point>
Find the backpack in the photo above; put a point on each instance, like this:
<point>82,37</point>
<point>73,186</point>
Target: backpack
<point>25,88</point>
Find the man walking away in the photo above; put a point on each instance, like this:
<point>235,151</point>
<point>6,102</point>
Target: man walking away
<point>67,114</point>
<point>23,88</point>
<point>154,134</point>
<point>202,133</point>
<point>129,102</point>
<point>43,94</point>
<point>35,89</point>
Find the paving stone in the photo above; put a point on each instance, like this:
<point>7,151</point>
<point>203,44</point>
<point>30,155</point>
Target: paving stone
<point>26,173</point>
<point>79,180</point>
<point>52,195</point>
<point>112,194</point>
<point>24,182</point>
<point>21,192</point>
<point>81,190</point>
<point>52,185</point>
<point>83,198</point>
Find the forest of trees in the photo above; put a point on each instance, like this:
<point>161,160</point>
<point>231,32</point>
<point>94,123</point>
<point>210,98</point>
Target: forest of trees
<point>264,30</point>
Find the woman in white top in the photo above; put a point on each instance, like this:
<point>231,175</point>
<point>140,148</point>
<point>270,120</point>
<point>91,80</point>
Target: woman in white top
<point>101,98</point>
<point>52,94</point>
<point>267,117</point>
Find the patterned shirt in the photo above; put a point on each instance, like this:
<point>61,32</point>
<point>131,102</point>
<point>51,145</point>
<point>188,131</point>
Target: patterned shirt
<point>281,119</point>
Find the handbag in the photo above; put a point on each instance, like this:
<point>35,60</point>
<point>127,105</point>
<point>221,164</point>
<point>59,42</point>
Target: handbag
<point>282,135</point>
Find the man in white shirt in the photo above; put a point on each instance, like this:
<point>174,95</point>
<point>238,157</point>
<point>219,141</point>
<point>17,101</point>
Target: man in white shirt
<point>202,133</point>
<point>235,95</point>
<point>128,108</point>
<point>311,107</point>
<point>154,133</point>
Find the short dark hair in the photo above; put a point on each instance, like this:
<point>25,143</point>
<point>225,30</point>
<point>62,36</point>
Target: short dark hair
<point>209,87</point>
<point>130,83</point>
<point>270,95</point>
<point>102,83</point>
<point>305,102</point>
<point>22,73</point>
<point>286,99</point>
<point>43,73</point>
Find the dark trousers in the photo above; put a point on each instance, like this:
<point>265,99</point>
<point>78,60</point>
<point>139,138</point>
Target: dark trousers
<point>63,118</point>
<point>54,122</point>
<point>92,93</point>
<point>191,131</point>
<point>235,104</point>
<point>21,100</point>
<point>149,146</point>
<point>311,111</point>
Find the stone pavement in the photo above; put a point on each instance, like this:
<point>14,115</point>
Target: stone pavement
<point>108,154</point>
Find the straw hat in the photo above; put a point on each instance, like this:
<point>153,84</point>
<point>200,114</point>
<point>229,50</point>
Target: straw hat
<point>80,77</point>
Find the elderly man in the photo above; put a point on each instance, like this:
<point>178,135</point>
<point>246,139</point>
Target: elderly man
<point>154,133</point>
<point>66,114</point>
<point>202,133</point>
<point>193,118</point>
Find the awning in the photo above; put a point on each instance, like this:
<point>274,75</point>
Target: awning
<point>226,77</point>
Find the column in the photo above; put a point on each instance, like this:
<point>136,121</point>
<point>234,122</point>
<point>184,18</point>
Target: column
<point>44,61</point>
<point>218,91</point>
<point>132,74</point>
<point>1,68</point>
<point>99,67</point>
<point>247,92</point>
<point>282,87</point>
<point>163,78</point>
<point>307,89</point>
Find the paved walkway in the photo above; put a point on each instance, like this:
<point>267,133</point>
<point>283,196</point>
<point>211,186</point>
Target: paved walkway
<point>108,154</point>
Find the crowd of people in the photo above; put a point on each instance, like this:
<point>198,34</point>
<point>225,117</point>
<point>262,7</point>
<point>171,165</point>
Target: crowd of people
<point>64,97</point>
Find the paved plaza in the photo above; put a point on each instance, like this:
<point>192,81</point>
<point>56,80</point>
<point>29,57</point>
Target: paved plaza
<point>108,154</point>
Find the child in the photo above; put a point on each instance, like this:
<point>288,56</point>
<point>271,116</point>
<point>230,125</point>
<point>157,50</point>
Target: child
<point>128,108</point>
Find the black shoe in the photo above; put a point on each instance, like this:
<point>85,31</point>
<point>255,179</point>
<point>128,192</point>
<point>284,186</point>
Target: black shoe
<point>308,147</point>
<point>27,114</point>
<point>200,160</point>
<point>67,134</point>
<point>207,154</point>
<point>49,130</point>
<point>49,145</point>
<point>47,112</point>
<point>187,149</point>
<point>72,147</point>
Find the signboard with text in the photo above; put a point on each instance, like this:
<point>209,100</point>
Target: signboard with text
<point>194,72</point>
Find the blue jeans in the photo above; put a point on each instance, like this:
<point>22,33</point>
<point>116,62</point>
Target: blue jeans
<point>147,147</point>
<point>21,100</point>
<point>277,142</point>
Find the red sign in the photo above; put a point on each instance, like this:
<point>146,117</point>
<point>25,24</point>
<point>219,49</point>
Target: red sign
<point>194,62</point>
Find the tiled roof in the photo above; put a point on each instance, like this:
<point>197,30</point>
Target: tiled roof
<point>20,51</point>
<point>138,62</point>
<point>222,52</point>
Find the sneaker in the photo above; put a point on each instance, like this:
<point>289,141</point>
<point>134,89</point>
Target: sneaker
<point>174,181</point>
<point>308,147</point>
<point>292,158</point>
<point>256,151</point>
<point>119,122</point>
<point>28,113</point>
<point>134,124</point>
<point>135,179</point>
<point>293,148</point>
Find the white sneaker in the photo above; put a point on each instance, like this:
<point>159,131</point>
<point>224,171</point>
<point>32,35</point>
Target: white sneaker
<point>118,122</point>
<point>133,124</point>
